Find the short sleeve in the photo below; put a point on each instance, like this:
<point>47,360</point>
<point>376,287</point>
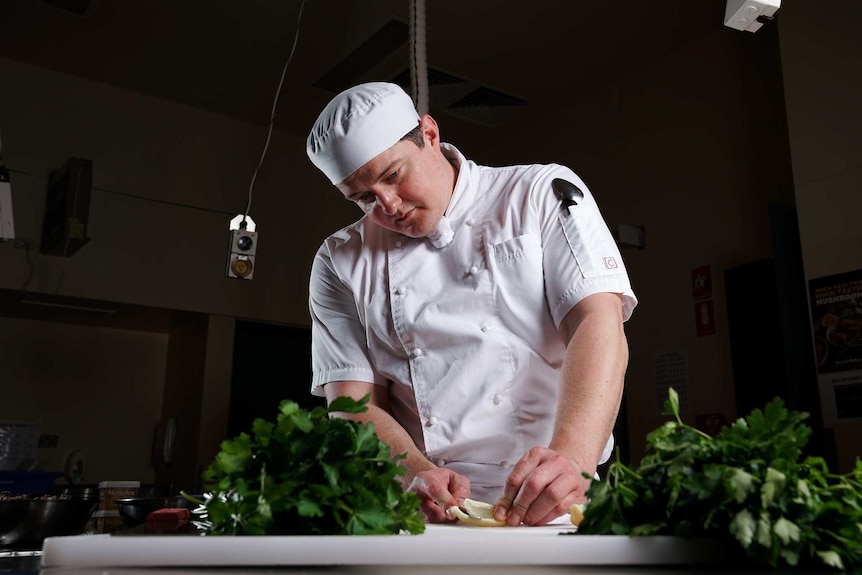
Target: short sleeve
<point>338,339</point>
<point>580,255</point>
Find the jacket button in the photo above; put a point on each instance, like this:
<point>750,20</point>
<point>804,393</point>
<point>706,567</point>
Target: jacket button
<point>440,462</point>
<point>432,421</point>
<point>498,399</point>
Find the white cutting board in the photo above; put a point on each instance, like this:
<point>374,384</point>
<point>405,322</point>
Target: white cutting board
<point>439,545</point>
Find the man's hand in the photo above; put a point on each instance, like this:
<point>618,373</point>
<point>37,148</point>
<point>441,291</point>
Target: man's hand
<point>439,489</point>
<point>547,481</point>
<point>543,486</point>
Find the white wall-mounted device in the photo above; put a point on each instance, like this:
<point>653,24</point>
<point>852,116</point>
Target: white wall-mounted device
<point>749,15</point>
<point>7,222</point>
<point>242,249</point>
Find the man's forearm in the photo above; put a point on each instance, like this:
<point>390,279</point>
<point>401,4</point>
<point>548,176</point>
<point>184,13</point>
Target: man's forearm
<point>387,429</point>
<point>393,434</point>
<point>592,384</point>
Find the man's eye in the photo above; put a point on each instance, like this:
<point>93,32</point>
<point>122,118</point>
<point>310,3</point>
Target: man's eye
<point>366,201</point>
<point>392,176</point>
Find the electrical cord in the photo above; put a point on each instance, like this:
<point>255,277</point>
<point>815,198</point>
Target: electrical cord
<point>272,113</point>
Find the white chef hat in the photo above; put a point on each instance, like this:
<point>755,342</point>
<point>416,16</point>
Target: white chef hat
<point>358,124</point>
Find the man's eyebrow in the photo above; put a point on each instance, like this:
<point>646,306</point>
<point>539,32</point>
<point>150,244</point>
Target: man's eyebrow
<point>382,174</point>
<point>385,171</point>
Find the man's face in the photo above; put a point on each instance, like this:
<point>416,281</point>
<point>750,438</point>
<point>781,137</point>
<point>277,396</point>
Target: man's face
<point>405,189</point>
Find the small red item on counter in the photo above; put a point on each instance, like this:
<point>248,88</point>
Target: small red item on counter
<point>168,518</point>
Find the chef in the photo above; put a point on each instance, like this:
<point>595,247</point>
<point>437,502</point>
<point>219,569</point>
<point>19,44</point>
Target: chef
<point>481,308</point>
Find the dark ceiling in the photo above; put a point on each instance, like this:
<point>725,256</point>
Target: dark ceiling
<point>495,57</point>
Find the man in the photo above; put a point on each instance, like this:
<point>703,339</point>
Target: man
<point>483,315</point>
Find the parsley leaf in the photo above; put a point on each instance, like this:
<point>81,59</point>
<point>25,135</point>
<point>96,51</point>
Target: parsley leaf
<point>749,485</point>
<point>308,473</point>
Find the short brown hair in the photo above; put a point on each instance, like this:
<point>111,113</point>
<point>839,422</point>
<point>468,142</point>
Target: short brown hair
<point>416,136</point>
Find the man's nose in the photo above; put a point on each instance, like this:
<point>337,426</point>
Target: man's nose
<point>389,202</point>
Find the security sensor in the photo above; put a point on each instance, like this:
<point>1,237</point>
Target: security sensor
<point>241,264</point>
<point>749,15</point>
<point>242,248</point>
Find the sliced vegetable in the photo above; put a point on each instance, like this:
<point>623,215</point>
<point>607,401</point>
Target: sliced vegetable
<point>576,513</point>
<point>476,513</point>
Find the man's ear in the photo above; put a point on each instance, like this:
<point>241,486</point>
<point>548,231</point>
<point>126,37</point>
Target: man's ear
<point>430,130</point>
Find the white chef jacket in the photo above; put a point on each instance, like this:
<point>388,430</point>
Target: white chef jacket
<point>466,336</point>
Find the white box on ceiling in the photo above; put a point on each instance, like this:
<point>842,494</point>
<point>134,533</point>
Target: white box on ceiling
<point>749,15</point>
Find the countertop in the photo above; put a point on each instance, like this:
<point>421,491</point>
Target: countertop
<point>442,549</point>
<point>30,566</point>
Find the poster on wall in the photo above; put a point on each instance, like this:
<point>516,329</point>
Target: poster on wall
<point>836,313</point>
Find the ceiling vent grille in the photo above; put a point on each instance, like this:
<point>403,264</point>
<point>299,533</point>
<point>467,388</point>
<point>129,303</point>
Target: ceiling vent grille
<point>486,106</point>
<point>464,98</point>
<point>487,98</point>
<point>448,93</point>
<point>435,78</point>
<point>76,7</point>
<point>379,46</point>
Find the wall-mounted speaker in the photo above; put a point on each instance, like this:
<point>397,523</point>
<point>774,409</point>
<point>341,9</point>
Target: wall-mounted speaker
<point>67,207</point>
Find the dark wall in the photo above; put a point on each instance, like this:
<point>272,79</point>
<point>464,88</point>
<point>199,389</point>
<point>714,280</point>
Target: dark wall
<point>271,363</point>
<point>770,336</point>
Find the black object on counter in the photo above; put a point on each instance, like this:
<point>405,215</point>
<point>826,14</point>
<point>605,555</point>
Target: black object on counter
<point>134,510</point>
<point>25,522</point>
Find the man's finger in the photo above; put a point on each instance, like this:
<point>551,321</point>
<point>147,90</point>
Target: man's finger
<point>555,500</point>
<point>501,509</point>
<point>514,483</point>
<point>459,487</point>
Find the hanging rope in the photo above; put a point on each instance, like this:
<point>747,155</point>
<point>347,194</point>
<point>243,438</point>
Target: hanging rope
<point>418,60</point>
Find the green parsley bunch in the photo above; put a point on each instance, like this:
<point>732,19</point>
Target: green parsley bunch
<point>749,484</point>
<point>308,473</point>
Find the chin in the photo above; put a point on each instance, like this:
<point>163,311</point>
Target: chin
<point>414,230</point>
<point>412,234</point>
